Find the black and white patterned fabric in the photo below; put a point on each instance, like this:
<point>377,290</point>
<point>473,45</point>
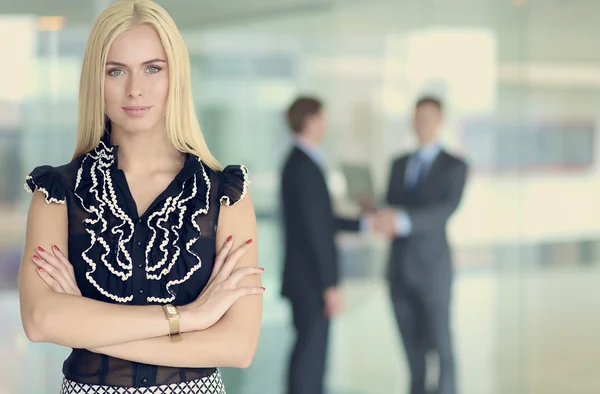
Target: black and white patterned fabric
<point>212,384</point>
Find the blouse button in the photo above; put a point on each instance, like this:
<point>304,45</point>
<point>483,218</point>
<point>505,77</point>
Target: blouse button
<point>139,243</point>
<point>145,380</point>
<point>140,221</point>
<point>140,265</point>
<point>141,291</point>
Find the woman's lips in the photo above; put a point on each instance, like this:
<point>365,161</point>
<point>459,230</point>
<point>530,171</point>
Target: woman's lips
<point>136,111</point>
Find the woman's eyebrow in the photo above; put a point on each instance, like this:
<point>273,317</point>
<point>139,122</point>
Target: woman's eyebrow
<point>113,63</point>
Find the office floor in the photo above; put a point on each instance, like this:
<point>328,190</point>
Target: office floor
<point>532,333</point>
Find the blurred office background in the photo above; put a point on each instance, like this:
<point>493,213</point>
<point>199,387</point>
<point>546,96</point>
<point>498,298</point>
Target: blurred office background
<point>521,82</point>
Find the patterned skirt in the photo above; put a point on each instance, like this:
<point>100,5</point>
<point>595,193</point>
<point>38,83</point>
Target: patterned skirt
<point>212,384</point>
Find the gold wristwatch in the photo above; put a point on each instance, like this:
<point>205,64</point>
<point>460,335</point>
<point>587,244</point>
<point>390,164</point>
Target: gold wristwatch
<point>173,318</point>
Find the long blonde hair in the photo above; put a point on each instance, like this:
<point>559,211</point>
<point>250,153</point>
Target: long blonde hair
<point>181,121</point>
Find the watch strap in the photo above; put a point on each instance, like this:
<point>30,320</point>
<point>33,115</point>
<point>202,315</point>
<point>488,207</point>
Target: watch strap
<point>174,327</point>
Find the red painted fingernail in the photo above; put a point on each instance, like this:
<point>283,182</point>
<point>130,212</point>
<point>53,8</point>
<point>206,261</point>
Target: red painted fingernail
<point>40,249</point>
<point>263,289</point>
<point>35,257</point>
<point>262,269</point>
<point>56,248</point>
<point>40,269</point>
<point>229,238</point>
<point>249,241</point>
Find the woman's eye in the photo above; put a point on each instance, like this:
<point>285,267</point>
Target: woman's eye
<point>153,69</point>
<point>115,72</point>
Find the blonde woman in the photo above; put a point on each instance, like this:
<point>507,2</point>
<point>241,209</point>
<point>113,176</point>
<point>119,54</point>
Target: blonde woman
<point>140,253</point>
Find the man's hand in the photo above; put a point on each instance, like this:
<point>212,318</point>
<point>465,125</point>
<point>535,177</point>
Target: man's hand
<point>384,222</point>
<point>334,302</point>
<point>366,204</point>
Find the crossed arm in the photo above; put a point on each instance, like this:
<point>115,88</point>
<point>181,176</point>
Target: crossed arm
<point>136,333</point>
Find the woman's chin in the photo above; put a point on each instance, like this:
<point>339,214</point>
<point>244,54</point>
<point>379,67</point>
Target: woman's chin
<point>137,126</point>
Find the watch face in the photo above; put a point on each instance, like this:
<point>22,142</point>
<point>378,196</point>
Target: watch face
<point>171,310</point>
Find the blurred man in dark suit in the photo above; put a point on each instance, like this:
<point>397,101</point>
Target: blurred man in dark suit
<point>311,268</point>
<point>425,188</point>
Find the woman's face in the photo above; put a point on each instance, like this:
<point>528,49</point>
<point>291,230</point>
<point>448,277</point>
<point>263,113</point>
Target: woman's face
<point>136,85</point>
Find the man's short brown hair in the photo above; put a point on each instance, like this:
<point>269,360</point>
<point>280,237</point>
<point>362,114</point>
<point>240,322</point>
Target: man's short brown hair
<point>436,102</point>
<point>299,110</point>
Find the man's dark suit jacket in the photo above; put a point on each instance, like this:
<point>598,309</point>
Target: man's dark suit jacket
<point>423,258</point>
<point>311,258</point>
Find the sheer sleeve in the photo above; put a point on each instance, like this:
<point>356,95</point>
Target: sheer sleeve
<point>46,180</point>
<point>234,184</point>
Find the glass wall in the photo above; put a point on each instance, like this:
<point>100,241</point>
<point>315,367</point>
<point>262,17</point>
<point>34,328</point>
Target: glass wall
<point>520,83</point>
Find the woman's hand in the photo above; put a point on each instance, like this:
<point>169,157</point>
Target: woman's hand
<point>56,271</point>
<point>222,290</point>
<point>216,298</point>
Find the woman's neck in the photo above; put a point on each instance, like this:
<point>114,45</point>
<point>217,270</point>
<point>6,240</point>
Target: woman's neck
<point>145,151</point>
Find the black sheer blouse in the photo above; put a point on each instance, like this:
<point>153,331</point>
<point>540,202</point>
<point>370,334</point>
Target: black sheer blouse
<point>164,256</point>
